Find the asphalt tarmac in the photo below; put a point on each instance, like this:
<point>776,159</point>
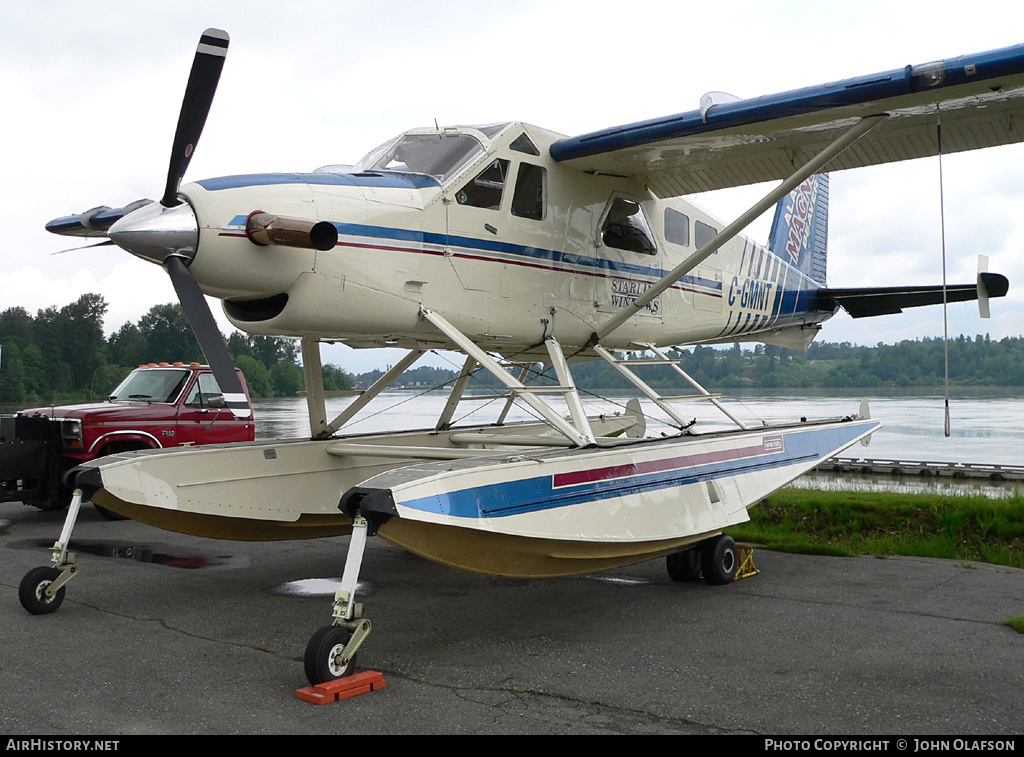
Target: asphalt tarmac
<point>162,633</point>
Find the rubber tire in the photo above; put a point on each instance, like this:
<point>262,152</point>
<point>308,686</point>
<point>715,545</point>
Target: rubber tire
<point>321,648</point>
<point>30,592</point>
<point>683,566</point>
<point>719,560</point>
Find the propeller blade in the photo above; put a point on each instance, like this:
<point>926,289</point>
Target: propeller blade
<point>195,106</point>
<point>104,243</point>
<point>197,311</point>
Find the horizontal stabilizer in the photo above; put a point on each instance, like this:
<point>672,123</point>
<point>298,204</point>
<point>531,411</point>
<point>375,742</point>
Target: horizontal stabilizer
<point>864,302</point>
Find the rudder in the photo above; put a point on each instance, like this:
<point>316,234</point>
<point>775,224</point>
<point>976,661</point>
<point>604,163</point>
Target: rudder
<point>799,232</point>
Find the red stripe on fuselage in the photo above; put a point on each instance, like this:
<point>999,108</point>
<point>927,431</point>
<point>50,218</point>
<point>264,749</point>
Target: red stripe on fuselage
<point>465,256</point>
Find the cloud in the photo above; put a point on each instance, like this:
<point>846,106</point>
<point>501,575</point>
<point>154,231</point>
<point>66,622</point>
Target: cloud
<point>91,103</point>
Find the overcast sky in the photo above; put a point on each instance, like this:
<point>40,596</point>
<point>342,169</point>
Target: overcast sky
<point>91,94</point>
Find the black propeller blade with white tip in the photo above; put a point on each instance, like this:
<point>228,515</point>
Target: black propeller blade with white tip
<point>195,107</point>
<point>166,233</point>
<point>197,311</point>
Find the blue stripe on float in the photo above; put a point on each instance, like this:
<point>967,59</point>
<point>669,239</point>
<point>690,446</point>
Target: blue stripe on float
<point>538,494</point>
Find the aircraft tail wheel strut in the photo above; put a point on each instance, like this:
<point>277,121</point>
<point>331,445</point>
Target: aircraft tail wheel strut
<point>331,651</point>
<point>42,589</point>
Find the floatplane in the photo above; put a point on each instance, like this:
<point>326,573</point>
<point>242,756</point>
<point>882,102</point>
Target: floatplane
<point>518,247</point>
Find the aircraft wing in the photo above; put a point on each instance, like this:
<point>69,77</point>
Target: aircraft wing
<point>727,144</point>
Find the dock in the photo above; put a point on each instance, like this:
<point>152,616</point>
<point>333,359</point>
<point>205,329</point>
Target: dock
<point>924,469</point>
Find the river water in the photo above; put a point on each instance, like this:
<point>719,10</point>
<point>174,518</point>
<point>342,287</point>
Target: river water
<point>986,425</point>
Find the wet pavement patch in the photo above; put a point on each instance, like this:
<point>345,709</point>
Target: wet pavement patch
<point>318,587</point>
<point>167,555</point>
<point>621,580</point>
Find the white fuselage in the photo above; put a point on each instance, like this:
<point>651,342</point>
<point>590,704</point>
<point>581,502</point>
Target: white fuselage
<point>511,247</point>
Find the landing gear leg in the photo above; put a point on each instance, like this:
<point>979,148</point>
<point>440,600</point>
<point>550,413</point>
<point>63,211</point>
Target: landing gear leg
<point>42,589</point>
<point>331,651</point>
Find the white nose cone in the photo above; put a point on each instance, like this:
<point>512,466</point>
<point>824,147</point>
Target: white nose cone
<point>155,233</point>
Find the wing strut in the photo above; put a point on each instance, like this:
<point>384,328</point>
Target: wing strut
<point>814,165</point>
<point>578,432</point>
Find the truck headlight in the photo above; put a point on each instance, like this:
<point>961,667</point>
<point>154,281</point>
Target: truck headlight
<point>71,434</point>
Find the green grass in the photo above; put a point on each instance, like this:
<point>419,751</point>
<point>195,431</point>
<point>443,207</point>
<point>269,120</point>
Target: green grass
<point>967,528</point>
<point>1017,624</point>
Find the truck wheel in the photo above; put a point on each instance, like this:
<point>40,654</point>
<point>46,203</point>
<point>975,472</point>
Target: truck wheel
<point>110,450</point>
<point>30,592</point>
<point>58,504</point>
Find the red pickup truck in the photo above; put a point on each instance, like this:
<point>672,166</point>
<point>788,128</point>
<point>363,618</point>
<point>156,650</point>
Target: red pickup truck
<point>157,405</point>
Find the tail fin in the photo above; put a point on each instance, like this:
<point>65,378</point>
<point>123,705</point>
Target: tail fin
<point>800,230</point>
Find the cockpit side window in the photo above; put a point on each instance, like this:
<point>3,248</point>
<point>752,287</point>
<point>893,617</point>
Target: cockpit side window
<point>529,200</point>
<point>626,228</point>
<point>486,188</point>
<point>524,144</point>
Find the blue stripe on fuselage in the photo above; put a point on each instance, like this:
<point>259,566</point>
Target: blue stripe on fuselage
<point>388,180</point>
<point>538,254</point>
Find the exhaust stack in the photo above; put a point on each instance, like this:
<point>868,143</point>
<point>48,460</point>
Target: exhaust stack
<point>267,229</point>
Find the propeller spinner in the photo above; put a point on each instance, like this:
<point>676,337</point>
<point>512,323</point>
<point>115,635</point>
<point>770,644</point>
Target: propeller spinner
<point>167,232</point>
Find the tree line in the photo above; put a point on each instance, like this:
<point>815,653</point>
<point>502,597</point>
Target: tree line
<point>978,361</point>
<point>62,355</point>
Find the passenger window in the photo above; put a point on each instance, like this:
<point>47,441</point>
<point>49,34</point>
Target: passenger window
<point>702,233</point>
<point>626,228</point>
<point>677,227</point>
<point>528,200</point>
<point>486,189</point>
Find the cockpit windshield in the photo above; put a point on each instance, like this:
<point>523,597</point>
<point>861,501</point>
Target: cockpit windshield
<point>438,154</point>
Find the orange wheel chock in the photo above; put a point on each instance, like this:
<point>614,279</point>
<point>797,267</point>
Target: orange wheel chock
<point>342,688</point>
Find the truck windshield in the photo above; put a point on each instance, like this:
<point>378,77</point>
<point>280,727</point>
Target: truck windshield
<point>150,385</point>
